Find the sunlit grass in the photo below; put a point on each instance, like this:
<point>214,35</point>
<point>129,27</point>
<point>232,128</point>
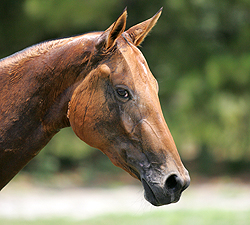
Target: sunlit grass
<point>187,217</point>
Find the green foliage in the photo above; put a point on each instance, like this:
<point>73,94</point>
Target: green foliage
<point>65,14</point>
<point>199,52</point>
<point>67,145</point>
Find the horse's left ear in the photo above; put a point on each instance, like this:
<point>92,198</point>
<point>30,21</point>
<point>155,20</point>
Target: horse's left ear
<point>138,32</point>
<point>109,36</point>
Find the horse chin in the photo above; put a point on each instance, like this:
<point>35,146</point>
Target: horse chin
<point>134,173</point>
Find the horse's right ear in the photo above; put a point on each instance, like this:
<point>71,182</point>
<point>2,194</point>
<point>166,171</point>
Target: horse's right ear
<point>109,36</point>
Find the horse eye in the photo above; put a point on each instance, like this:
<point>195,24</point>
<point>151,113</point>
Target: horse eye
<point>122,93</point>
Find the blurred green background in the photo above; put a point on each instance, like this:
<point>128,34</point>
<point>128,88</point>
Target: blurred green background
<point>200,54</point>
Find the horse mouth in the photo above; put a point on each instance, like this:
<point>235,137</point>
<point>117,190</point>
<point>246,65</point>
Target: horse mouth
<point>149,194</point>
<point>158,197</point>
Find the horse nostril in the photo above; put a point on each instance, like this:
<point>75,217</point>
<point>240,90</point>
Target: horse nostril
<point>174,183</point>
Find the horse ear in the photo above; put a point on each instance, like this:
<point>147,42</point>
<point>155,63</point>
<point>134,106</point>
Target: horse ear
<point>109,36</point>
<point>138,32</point>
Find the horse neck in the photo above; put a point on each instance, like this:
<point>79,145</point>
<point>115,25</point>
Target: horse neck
<point>43,77</point>
<point>35,88</point>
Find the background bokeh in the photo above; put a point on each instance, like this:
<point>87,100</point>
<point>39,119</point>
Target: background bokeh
<point>200,54</point>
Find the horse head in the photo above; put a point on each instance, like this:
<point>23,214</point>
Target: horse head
<point>116,109</point>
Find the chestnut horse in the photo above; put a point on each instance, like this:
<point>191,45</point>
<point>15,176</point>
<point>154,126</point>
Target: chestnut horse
<point>98,83</point>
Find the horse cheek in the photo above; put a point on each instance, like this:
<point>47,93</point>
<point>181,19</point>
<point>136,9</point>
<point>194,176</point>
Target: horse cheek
<point>85,113</point>
<point>76,116</point>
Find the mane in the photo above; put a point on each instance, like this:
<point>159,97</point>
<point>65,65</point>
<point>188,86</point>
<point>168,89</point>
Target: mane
<point>39,49</point>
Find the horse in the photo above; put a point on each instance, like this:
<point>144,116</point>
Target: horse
<point>100,84</point>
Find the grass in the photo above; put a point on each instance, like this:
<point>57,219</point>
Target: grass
<point>187,217</point>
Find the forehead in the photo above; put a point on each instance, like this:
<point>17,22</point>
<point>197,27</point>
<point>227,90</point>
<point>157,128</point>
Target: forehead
<point>134,62</point>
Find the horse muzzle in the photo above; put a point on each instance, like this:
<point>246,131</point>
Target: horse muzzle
<point>163,193</point>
